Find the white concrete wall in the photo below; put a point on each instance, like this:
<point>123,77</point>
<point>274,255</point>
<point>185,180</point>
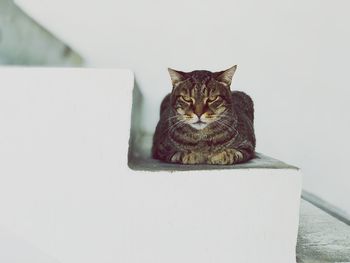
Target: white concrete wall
<point>293,60</point>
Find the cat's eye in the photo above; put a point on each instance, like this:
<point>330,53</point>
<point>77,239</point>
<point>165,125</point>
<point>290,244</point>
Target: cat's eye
<point>186,98</point>
<point>212,98</point>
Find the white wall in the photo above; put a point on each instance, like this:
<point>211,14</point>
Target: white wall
<point>293,60</point>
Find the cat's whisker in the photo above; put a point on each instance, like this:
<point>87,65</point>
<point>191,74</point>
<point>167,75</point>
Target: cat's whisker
<point>172,117</point>
<point>225,125</point>
<point>224,122</point>
<point>169,128</point>
<point>174,126</point>
<point>177,126</point>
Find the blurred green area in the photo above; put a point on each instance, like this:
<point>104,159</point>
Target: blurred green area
<point>24,42</point>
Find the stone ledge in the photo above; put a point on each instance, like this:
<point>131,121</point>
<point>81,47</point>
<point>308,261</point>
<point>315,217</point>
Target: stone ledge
<point>322,238</point>
<point>140,159</point>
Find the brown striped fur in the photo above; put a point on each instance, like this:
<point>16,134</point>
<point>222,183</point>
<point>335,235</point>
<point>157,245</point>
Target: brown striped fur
<point>203,122</point>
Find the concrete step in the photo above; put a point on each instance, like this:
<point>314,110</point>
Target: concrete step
<point>68,189</point>
<point>322,238</point>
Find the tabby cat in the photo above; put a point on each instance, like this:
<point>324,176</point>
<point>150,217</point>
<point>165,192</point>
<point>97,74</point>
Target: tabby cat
<point>203,122</point>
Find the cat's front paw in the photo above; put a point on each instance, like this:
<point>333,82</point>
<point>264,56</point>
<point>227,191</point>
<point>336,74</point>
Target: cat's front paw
<point>229,156</point>
<point>188,158</point>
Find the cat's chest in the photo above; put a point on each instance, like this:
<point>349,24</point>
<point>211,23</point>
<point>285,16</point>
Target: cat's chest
<point>198,142</point>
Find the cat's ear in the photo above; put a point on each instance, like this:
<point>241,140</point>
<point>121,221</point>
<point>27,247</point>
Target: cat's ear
<point>226,76</point>
<point>176,76</point>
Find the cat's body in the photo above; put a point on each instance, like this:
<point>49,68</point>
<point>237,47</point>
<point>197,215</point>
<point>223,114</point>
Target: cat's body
<point>203,121</point>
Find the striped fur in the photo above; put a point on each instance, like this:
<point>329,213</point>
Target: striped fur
<point>203,122</point>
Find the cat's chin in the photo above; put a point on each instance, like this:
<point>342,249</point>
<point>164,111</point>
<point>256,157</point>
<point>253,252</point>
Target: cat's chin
<point>199,126</point>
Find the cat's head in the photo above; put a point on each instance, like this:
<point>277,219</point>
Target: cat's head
<point>201,97</point>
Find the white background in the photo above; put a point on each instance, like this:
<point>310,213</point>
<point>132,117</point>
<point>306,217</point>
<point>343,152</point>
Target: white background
<point>293,59</point>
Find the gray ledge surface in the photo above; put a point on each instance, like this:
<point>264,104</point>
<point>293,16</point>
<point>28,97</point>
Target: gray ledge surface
<point>140,159</point>
<point>322,238</point>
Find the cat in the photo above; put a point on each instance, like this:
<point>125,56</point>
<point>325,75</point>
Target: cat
<point>203,122</point>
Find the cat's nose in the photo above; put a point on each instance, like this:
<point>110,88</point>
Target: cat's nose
<point>198,110</point>
<point>199,115</point>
